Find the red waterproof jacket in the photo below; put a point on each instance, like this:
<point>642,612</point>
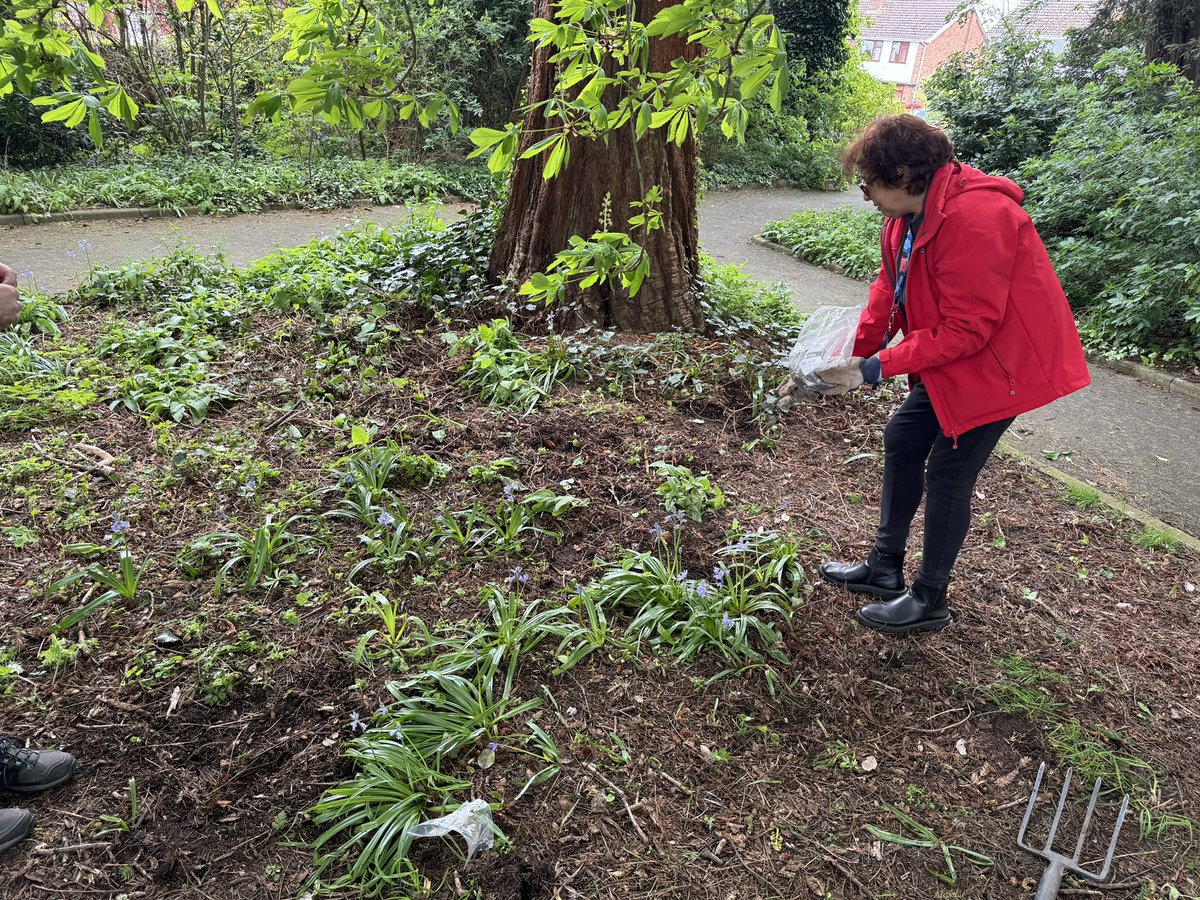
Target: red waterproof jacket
<point>986,324</point>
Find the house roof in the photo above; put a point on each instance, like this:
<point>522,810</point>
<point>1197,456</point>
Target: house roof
<point>914,20</point>
<point>1050,19</point>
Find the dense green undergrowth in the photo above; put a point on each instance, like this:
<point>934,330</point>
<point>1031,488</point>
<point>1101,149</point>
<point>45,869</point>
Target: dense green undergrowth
<point>217,183</point>
<point>846,240</point>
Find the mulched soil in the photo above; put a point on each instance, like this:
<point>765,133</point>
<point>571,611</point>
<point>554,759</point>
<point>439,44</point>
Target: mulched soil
<point>670,786</point>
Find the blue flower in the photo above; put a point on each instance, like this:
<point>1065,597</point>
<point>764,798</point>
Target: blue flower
<point>493,746</point>
<point>119,525</point>
<point>682,576</point>
<point>702,589</point>
<point>70,254</point>
<point>509,494</point>
<point>85,245</point>
<point>395,734</point>
<point>356,724</point>
<point>677,519</point>
<point>517,574</point>
<point>719,573</point>
<point>656,532</point>
<point>783,506</point>
<point>382,711</point>
<point>251,482</point>
<point>386,518</point>
<point>726,622</point>
<point>28,273</point>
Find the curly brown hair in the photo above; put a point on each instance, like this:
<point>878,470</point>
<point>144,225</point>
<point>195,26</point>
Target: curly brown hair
<point>900,151</point>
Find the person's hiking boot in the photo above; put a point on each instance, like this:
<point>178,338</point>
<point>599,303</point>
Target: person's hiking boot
<point>24,770</point>
<point>15,826</point>
<point>882,575</point>
<point>921,608</point>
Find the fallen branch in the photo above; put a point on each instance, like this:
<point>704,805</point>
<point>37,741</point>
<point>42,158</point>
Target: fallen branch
<point>46,850</point>
<point>624,800</point>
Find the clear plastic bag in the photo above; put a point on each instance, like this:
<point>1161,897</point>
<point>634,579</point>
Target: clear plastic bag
<point>473,820</point>
<point>825,341</point>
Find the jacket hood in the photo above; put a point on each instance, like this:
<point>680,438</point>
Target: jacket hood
<point>955,179</point>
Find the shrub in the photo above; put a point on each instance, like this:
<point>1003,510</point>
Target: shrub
<point>1118,204</point>
<point>998,104</point>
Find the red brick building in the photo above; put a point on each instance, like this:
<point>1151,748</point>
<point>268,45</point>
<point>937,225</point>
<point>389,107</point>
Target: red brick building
<point>906,40</point>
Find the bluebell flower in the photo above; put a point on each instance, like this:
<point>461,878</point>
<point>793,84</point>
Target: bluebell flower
<point>28,273</point>
<point>682,576</point>
<point>493,746</point>
<point>783,506</point>
<point>656,532</point>
<point>726,622</point>
<point>70,254</point>
<point>382,711</point>
<point>702,589</point>
<point>677,519</point>
<point>719,573</point>
<point>85,245</point>
<point>509,493</point>
<point>517,574</point>
<point>251,482</point>
<point>119,525</point>
<point>356,724</point>
<point>395,734</point>
<point>386,518</point>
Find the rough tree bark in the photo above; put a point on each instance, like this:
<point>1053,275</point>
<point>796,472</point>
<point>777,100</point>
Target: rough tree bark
<point>541,215</point>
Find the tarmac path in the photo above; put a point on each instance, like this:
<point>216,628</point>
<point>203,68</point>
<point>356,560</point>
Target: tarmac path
<point>1130,439</point>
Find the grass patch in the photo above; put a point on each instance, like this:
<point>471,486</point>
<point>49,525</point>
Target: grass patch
<point>1157,539</point>
<point>1085,497</point>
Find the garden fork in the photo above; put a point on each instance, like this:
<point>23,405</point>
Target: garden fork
<point>1058,863</point>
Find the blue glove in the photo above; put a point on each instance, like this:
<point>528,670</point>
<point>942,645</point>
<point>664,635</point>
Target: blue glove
<point>872,371</point>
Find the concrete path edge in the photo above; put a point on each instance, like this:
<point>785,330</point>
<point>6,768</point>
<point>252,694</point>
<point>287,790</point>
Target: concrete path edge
<point>1165,380</point>
<point>127,212</point>
<point>1119,506</point>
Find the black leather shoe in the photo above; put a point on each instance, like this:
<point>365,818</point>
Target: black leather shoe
<point>24,770</point>
<point>15,826</point>
<point>921,608</point>
<point>882,575</point>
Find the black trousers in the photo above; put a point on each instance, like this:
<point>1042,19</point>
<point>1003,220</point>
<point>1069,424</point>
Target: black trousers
<point>920,459</point>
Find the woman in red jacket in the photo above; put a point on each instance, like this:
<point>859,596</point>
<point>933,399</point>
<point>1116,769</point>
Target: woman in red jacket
<point>988,334</point>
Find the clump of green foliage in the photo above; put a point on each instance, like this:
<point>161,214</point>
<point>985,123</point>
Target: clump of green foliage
<point>846,239</point>
<point>221,183</point>
<point>735,302</point>
<point>1107,162</point>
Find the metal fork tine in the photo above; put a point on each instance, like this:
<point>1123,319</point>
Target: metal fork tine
<point>1062,802</point>
<point>1037,783</point>
<point>1087,823</point>
<point>1112,845</point>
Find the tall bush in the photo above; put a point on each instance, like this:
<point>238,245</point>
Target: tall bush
<point>998,103</point>
<point>1118,202</point>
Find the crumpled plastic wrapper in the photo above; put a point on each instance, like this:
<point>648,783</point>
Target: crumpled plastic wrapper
<point>473,820</point>
<point>825,341</point>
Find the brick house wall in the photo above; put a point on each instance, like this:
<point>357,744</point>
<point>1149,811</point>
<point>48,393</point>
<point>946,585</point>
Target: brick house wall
<point>956,38</point>
<point>920,28</point>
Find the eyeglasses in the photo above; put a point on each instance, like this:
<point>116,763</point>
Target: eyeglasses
<point>865,188</point>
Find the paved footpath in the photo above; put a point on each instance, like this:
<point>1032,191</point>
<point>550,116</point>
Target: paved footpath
<point>1130,439</point>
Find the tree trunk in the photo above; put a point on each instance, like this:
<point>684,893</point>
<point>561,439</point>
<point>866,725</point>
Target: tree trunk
<point>1175,37</point>
<point>541,215</point>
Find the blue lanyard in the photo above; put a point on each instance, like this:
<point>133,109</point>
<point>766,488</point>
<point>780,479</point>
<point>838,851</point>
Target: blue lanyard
<point>901,280</point>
